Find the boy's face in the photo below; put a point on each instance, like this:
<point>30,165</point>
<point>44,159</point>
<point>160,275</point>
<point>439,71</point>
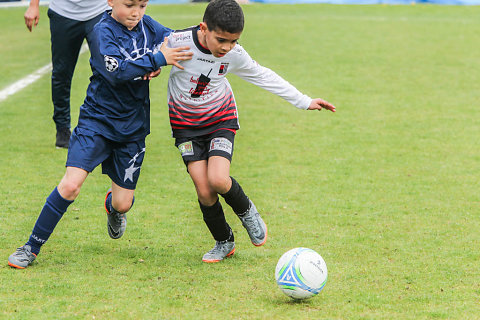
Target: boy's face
<point>128,12</point>
<point>218,42</point>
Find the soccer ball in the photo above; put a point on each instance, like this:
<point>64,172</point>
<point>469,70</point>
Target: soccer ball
<point>301,273</point>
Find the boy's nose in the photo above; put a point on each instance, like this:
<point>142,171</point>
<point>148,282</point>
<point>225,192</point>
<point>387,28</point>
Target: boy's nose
<point>227,47</point>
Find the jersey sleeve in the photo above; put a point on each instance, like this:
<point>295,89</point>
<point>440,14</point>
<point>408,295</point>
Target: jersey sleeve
<point>249,70</point>
<point>161,32</point>
<point>117,68</point>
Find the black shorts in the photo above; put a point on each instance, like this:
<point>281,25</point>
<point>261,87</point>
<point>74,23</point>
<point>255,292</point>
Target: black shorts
<point>218,143</point>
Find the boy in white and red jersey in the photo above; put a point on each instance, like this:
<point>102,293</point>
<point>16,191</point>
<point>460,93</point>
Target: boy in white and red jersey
<point>204,120</point>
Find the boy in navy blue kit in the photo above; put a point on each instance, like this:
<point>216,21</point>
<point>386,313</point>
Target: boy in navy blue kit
<point>114,119</point>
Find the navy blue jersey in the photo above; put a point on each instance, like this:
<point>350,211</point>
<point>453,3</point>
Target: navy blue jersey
<point>117,105</point>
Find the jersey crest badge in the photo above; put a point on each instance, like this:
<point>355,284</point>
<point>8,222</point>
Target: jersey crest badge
<point>223,68</point>
<point>111,64</point>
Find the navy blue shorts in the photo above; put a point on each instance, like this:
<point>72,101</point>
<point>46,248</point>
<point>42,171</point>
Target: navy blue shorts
<point>120,161</point>
<point>218,143</point>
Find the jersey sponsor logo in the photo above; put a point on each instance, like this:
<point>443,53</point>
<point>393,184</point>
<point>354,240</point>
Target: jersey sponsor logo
<point>38,239</point>
<point>221,144</point>
<point>186,149</point>
<point>111,64</point>
<point>202,83</point>
<point>205,60</point>
<point>223,68</point>
<point>181,36</point>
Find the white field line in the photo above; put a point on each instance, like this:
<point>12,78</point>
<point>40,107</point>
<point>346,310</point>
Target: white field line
<point>28,80</point>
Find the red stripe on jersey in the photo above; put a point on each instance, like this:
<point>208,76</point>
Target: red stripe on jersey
<point>201,126</point>
<point>184,116</point>
<point>215,105</point>
<point>228,114</point>
<point>205,115</point>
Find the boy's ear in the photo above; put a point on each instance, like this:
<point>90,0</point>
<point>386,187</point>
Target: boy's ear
<point>203,26</point>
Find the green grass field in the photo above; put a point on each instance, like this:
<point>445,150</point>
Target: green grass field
<point>386,189</point>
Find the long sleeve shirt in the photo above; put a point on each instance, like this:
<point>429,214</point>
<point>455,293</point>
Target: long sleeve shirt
<point>200,97</point>
<point>117,104</point>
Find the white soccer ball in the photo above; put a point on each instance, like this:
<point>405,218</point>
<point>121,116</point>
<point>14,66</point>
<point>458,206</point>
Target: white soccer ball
<point>301,273</point>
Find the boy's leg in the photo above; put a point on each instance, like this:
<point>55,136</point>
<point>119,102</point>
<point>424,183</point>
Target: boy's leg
<point>212,213</point>
<point>123,166</point>
<point>55,206</point>
<point>232,192</point>
<point>117,203</point>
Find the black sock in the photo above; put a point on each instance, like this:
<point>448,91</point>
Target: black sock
<point>236,198</point>
<point>216,223</point>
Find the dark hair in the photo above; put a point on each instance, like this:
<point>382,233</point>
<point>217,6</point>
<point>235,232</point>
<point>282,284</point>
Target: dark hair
<point>224,15</point>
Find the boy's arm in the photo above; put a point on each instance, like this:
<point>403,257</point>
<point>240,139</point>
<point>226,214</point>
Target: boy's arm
<point>172,57</point>
<point>120,69</point>
<point>267,79</point>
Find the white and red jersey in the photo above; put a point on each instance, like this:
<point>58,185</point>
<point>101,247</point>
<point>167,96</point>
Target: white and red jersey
<point>200,98</point>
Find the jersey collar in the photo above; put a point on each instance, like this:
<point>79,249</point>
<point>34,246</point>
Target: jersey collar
<point>197,42</point>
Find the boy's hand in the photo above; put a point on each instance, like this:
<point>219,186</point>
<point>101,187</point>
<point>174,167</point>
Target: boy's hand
<point>319,104</point>
<point>31,16</point>
<point>151,75</point>
<point>173,55</point>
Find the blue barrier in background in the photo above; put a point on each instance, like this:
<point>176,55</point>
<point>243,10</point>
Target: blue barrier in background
<point>450,2</point>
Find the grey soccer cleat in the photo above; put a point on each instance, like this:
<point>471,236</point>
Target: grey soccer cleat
<point>221,250</point>
<point>256,228</point>
<point>21,258</point>
<point>117,221</point>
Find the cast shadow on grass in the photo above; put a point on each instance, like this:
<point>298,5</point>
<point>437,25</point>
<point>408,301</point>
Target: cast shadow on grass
<point>280,299</point>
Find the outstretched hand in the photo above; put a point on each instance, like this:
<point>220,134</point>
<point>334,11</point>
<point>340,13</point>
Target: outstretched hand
<point>319,104</point>
<point>174,55</point>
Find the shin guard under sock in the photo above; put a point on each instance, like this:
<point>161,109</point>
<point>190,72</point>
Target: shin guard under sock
<point>236,198</point>
<point>52,212</point>
<point>216,223</point>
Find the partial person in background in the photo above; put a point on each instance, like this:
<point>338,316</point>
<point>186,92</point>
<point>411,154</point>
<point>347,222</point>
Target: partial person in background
<point>71,21</point>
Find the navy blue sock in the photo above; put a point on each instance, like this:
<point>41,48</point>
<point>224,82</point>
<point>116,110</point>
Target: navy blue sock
<point>52,212</point>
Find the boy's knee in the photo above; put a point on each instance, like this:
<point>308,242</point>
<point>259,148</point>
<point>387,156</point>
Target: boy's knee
<point>207,197</point>
<point>219,183</point>
<point>69,189</point>
<point>123,206</point>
